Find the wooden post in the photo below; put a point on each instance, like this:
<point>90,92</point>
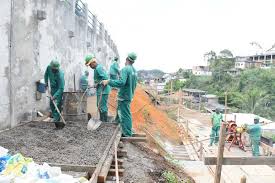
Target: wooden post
<point>243,179</point>
<point>221,147</point>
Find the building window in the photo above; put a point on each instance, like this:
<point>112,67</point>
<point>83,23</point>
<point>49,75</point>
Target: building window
<point>261,57</point>
<point>273,56</point>
<point>268,57</point>
<point>256,58</point>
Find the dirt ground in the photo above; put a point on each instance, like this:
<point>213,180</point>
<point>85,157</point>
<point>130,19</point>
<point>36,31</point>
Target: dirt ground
<point>143,165</point>
<point>72,145</point>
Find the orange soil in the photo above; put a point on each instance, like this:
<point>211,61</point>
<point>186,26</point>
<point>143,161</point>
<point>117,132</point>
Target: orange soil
<point>147,116</point>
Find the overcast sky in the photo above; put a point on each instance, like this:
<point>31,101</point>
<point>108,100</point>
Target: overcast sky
<point>169,34</point>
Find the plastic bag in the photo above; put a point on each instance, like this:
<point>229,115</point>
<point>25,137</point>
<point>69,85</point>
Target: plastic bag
<point>3,162</point>
<point>3,151</point>
<point>17,165</point>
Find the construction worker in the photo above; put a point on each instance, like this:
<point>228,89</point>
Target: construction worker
<point>102,92</point>
<point>216,120</point>
<point>114,69</point>
<point>127,84</point>
<point>56,78</point>
<point>255,133</point>
<point>84,83</point>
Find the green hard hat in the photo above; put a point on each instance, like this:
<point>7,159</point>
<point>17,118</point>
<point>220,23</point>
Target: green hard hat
<point>132,57</point>
<point>116,59</point>
<point>257,117</point>
<point>88,59</point>
<point>55,64</point>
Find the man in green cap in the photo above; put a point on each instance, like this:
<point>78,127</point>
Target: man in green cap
<point>102,92</point>
<point>56,78</point>
<point>114,69</point>
<point>216,120</point>
<point>84,82</point>
<point>255,133</point>
<point>127,84</point>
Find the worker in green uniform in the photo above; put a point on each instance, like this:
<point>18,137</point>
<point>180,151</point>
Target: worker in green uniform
<point>84,83</point>
<point>57,83</point>
<point>216,120</point>
<point>102,92</point>
<point>127,84</point>
<point>114,69</point>
<point>255,133</point>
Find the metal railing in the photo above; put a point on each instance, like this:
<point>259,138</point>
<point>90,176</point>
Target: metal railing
<point>93,23</point>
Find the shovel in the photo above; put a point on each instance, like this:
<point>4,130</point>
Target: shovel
<point>93,124</point>
<point>57,109</point>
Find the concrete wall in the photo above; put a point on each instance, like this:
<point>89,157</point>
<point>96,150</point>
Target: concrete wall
<point>5,14</point>
<point>35,43</point>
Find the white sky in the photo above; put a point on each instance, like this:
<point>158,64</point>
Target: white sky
<point>169,34</point>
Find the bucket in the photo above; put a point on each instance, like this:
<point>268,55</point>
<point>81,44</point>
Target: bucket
<point>74,109</point>
<point>41,87</point>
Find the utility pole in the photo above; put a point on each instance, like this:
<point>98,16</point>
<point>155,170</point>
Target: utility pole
<point>221,146</point>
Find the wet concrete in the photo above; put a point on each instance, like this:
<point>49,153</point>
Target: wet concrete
<point>72,145</point>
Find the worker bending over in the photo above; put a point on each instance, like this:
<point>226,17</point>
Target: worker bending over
<point>114,69</point>
<point>255,133</point>
<point>216,120</point>
<point>127,84</point>
<point>84,82</point>
<point>56,78</point>
<point>102,92</point>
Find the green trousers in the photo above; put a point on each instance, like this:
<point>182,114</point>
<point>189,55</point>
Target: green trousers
<point>55,114</point>
<point>214,136</point>
<point>255,146</point>
<point>103,107</point>
<point>124,117</point>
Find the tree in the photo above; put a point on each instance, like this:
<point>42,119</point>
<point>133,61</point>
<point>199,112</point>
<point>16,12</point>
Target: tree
<point>226,53</point>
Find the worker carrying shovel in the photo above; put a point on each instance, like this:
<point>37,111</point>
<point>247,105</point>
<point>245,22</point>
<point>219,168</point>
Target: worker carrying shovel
<point>56,78</point>
<point>102,92</point>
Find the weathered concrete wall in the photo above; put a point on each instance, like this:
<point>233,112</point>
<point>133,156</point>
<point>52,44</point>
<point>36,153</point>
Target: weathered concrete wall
<point>35,43</point>
<point>5,14</point>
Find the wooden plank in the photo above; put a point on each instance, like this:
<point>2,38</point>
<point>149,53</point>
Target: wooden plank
<point>116,136</point>
<point>134,139</point>
<point>105,169</point>
<point>241,160</point>
<point>122,153</point>
<point>119,161</point>
<point>116,165</point>
<point>139,135</point>
<point>112,172</point>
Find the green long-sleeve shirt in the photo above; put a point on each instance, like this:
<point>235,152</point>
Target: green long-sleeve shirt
<point>99,75</point>
<point>255,131</point>
<point>57,82</point>
<point>114,69</point>
<point>127,83</point>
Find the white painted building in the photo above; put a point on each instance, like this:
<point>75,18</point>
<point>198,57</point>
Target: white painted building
<point>201,71</point>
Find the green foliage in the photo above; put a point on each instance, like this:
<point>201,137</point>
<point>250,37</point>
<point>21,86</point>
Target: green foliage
<point>176,85</point>
<point>253,91</point>
<point>170,177</point>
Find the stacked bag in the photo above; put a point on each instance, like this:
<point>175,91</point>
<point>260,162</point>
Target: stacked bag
<point>19,169</point>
